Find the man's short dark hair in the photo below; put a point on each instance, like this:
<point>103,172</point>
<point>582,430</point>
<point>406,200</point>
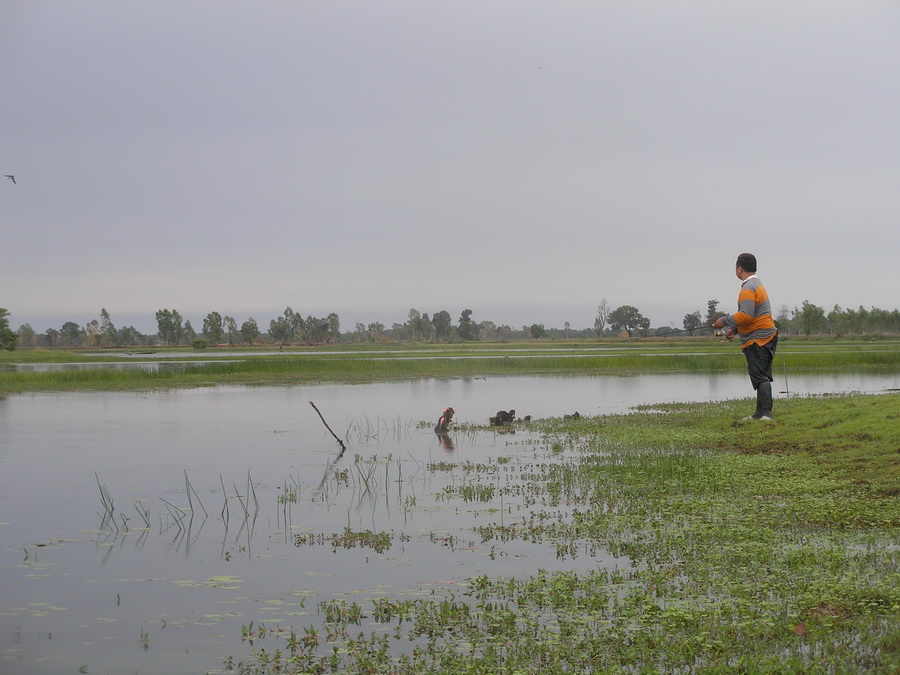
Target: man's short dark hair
<point>747,262</point>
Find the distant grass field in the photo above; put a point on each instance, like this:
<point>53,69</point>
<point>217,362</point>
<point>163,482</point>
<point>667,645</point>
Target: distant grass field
<point>392,361</point>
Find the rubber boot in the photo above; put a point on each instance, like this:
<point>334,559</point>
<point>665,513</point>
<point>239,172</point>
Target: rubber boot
<point>763,401</point>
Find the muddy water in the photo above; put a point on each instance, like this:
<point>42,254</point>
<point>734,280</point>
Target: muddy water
<point>215,472</point>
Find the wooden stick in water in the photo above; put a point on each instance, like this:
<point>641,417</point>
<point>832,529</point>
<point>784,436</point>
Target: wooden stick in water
<point>328,427</point>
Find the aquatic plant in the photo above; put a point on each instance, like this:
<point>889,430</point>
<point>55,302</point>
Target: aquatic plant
<point>763,549</point>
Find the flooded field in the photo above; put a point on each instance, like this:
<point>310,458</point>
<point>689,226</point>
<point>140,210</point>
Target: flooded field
<point>144,532</point>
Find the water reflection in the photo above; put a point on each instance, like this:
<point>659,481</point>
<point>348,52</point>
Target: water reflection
<point>446,442</point>
<point>148,366</point>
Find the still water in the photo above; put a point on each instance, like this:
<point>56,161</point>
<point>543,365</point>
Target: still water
<point>231,480</point>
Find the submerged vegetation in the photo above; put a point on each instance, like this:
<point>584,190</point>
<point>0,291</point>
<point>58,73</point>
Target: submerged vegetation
<point>362,363</point>
<point>750,547</point>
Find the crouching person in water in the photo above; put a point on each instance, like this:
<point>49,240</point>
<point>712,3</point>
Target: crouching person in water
<point>757,331</point>
<point>443,424</point>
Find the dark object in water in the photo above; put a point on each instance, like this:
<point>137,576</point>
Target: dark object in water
<point>574,416</point>
<point>443,424</point>
<point>503,417</point>
<point>340,442</point>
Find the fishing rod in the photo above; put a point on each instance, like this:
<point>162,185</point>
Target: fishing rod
<point>685,330</point>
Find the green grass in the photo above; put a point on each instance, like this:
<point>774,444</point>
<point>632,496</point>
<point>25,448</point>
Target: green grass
<point>360,363</point>
<point>754,547</point>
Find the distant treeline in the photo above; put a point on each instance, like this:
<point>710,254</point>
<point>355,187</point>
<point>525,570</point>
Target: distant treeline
<point>291,328</point>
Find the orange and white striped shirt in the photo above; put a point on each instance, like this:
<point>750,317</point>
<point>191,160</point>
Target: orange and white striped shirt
<point>753,318</point>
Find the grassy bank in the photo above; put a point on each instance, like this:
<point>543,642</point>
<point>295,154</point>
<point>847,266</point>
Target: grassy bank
<point>357,363</point>
<point>754,548</point>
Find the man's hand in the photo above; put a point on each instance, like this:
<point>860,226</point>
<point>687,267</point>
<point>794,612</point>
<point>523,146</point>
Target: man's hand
<point>720,323</point>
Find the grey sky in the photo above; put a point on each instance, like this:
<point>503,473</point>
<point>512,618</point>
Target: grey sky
<point>521,159</point>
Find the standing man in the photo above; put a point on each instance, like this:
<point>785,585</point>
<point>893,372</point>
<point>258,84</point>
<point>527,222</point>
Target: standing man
<point>759,337</point>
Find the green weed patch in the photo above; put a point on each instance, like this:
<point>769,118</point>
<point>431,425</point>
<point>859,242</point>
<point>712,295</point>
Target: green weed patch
<point>751,548</point>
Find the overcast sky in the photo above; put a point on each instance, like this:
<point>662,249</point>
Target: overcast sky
<point>524,160</point>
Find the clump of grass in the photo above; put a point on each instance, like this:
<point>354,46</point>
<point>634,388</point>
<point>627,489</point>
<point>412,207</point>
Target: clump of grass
<point>378,541</point>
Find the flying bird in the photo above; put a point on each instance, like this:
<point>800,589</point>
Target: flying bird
<point>12,178</point>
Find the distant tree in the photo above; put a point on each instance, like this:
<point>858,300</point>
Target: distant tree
<point>231,330</point>
<point>537,331</point>
<point>27,336</point>
<point>8,338</point>
<point>70,333</point>
<point>692,322</point>
<point>602,317</point>
<point>164,326</point>
<point>839,321</point>
<point>568,327</point>
<point>92,333</point>
<point>171,329</point>
<point>280,330</point>
<point>487,330</point>
<point>189,334</point>
<point>360,334</point>
<point>249,331</point>
<point>414,324</point>
<point>317,330</point>
<point>426,327</point>
<point>712,312</point>
<point>290,327</point>
<point>884,321</point>
<point>129,335</point>
<point>178,327</point>
<point>442,323</point>
<point>628,318</point>
<point>783,320</point>
<point>109,336</point>
<point>862,317</point>
<point>877,320</point>
<point>467,329</point>
<point>307,328</point>
<point>51,335</point>
<point>375,331</point>
<point>398,332</point>
<point>812,318</point>
<point>213,327</point>
<point>862,321</point>
<point>334,327</point>
<point>300,327</point>
<point>859,320</point>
